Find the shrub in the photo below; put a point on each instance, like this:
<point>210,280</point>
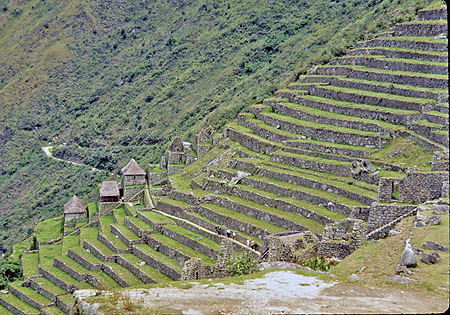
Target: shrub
<point>317,263</point>
<point>242,264</point>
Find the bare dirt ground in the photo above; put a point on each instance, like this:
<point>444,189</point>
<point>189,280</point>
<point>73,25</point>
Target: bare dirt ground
<point>288,292</point>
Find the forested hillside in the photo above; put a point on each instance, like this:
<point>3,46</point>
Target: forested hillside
<point>118,79</point>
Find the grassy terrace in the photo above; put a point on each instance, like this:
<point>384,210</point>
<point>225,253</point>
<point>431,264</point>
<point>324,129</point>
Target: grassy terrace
<point>385,71</point>
<point>156,217</point>
<point>49,229</point>
<point>181,247</point>
<point>301,203</point>
<point>148,270</point>
<point>87,256</point>
<point>72,241</point>
<point>31,293</point>
<point>425,39</point>
<point>322,113</point>
<point>399,49</point>
<point>403,60</point>
<point>125,274</point>
<point>249,133</point>
<point>126,231</point>
<point>194,236</point>
<point>30,264</point>
<point>92,208</point>
<point>393,85</point>
<point>308,223</point>
<point>140,224</point>
<point>49,286</point>
<point>432,22</point>
<point>269,227</point>
<point>120,214</point>
<point>353,105</point>
<point>313,158</point>
<point>380,95</point>
<point>245,235</point>
<point>52,310</point>
<point>130,210</point>
<point>427,123</point>
<point>171,262</point>
<point>309,124</point>
<point>327,181</point>
<point>4,311</point>
<point>106,222</point>
<point>24,307</point>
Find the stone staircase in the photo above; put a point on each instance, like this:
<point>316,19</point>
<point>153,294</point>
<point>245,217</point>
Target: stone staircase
<point>295,163</point>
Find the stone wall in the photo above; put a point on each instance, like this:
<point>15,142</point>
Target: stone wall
<point>137,230</point>
<point>417,45</point>
<point>86,264</point>
<point>385,189</point>
<point>134,270</point>
<point>105,207</point>
<point>420,29</point>
<point>338,249</point>
<point>132,180</point>
<point>123,238</point>
<point>168,271</point>
<point>361,213</point>
<point>383,231</point>
<point>167,250</point>
<point>66,287</point>
<point>381,214</point>
<point>398,54</point>
<point>36,287</point>
<point>25,298</point>
<point>96,252</point>
<point>421,186</point>
<point>133,193</point>
<point>13,309</point>
<point>73,217</point>
<point>110,272</point>
<point>250,142</point>
<point>110,244</point>
<point>76,275</point>
<point>154,178</point>
<point>436,14</point>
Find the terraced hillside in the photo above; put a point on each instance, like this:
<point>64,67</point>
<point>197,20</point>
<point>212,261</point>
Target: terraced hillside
<point>312,155</point>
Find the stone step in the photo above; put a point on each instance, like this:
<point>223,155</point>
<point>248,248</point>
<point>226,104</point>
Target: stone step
<point>421,28</point>
<point>139,227</point>
<point>437,117</point>
<point>125,234</point>
<point>390,115</point>
<point>322,165</point>
<point>170,267</point>
<point>198,242</point>
<point>313,201</point>
<point>316,131</point>
<point>123,276</point>
<point>305,180</point>
<point>198,214</point>
<point>372,98</point>
<point>400,77</point>
<point>283,212</point>
<point>118,215</point>
<point>4,310</point>
<point>408,42</point>
<point>15,305</point>
<point>44,287</point>
<point>433,14</point>
<point>28,295</point>
<point>439,95</point>
<point>435,132</point>
<point>393,64</point>
<point>279,111</point>
<point>172,248</point>
<point>141,269</point>
<point>52,310</point>
<point>392,52</point>
<point>111,240</point>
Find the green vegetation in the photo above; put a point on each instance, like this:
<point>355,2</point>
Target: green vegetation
<point>10,270</point>
<point>30,263</point>
<point>49,230</point>
<point>98,79</point>
<point>242,264</point>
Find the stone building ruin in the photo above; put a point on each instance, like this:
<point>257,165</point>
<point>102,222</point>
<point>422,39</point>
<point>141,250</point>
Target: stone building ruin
<point>74,210</point>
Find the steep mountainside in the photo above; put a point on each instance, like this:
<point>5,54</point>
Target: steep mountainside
<point>324,167</point>
<point>114,78</point>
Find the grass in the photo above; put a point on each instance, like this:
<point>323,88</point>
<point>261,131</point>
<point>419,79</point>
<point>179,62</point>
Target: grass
<point>171,262</point>
<point>12,299</point>
<point>72,241</point>
<point>119,214</point>
<point>433,275</point>
<point>30,264</point>
<point>87,256</point>
<point>148,270</point>
<point>427,123</point>
<point>49,286</point>
<point>52,310</point>
<point>140,224</point>
<point>427,39</point>
<point>19,248</point>
<point>92,208</point>
<point>156,217</point>
<point>404,152</point>
<point>399,49</point>
<point>89,233</point>
<point>181,247</point>
<point>4,311</point>
<point>130,210</point>
<point>126,274</point>
<point>31,293</point>
<point>129,234</point>
<point>194,236</point>
<point>402,60</point>
<point>49,230</point>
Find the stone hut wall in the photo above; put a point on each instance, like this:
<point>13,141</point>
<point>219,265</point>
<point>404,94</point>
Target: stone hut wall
<point>421,186</point>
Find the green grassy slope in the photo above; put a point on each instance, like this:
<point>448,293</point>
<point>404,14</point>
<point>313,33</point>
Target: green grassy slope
<point>120,79</point>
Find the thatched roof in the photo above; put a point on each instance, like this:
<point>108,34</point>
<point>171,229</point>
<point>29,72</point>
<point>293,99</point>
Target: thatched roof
<point>132,168</point>
<point>109,189</point>
<point>74,205</point>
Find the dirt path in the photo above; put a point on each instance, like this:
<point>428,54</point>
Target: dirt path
<point>288,292</point>
<point>50,155</point>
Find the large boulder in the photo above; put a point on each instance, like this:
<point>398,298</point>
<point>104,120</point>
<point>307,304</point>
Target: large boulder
<point>408,258</point>
<point>428,259</point>
<point>434,220</point>
<point>440,209</point>
<point>434,246</point>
